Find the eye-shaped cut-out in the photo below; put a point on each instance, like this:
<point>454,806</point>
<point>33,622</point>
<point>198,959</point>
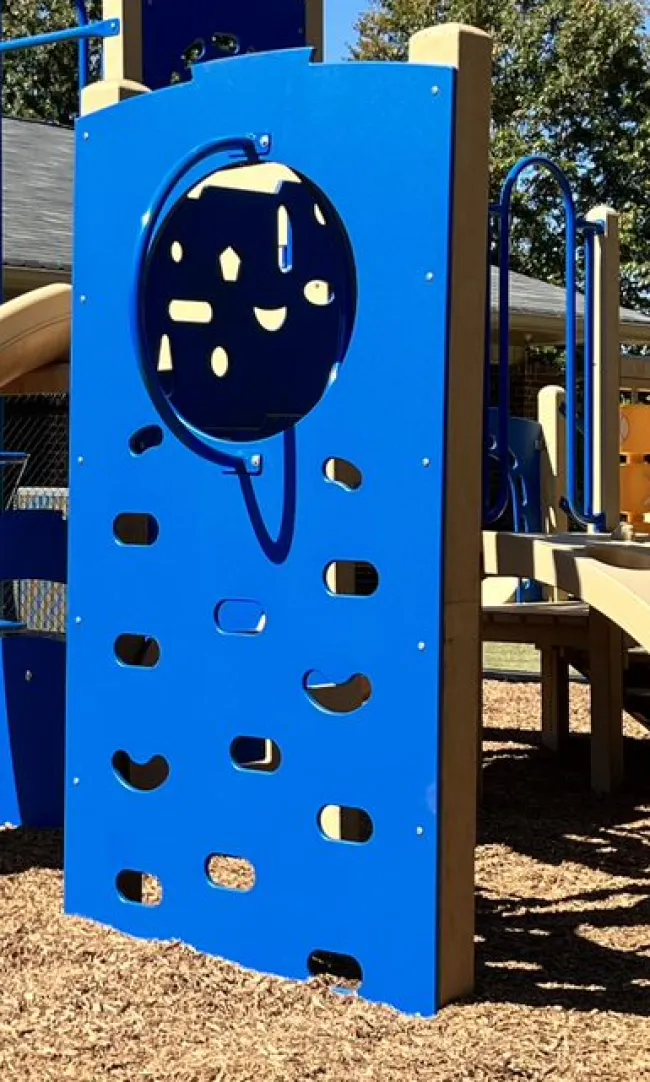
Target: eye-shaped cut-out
<point>319,293</point>
<point>177,252</point>
<point>271,319</point>
<point>145,439</point>
<point>340,970</point>
<point>220,362</point>
<point>139,651</point>
<point>350,578</point>
<point>143,777</point>
<point>256,753</point>
<point>236,617</point>
<point>225,43</point>
<point>318,215</point>
<point>140,888</point>
<point>341,472</point>
<point>136,529</point>
<point>341,824</point>
<point>230,873</point>
<point>343,698</point>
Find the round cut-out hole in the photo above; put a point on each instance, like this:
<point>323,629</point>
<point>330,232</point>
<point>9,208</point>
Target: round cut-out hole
<point>342,824</point>
<point>193,53</point>
<point>145,439</point>
<point>241,288</point>
<point>230,873</point>
<point>139,651</point>
<point>337,970</point>
<point>143,777</point>
<point>235,617</point>
<point>140,888</point>
<point>256,753</point>
<point>341,472</point>
<point>338,698</point>
<point>131,528</point>
<point>351,578</point>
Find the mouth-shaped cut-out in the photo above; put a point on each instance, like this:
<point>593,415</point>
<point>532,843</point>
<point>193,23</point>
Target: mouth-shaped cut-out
<point>271,319</point>
<point>337,698</point>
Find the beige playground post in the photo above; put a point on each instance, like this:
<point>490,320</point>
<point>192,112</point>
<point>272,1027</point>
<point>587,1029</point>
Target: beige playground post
<point>470,52</point>
<point>606,641</point>
<point>122,70</point>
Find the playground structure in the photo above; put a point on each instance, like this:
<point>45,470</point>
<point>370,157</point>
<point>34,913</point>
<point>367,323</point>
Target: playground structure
<point>216,739</point>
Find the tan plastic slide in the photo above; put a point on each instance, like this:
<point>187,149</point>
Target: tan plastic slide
<point>610,576</point>
<point>35,341</point>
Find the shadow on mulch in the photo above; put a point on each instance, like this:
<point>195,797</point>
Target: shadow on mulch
<point>21,850</point>
<point>531,950</point>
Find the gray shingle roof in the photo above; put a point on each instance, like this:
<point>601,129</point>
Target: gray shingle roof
<point>38,176</point>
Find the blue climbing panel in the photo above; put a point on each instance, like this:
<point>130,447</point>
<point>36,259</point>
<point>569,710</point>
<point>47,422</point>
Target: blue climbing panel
<point>175,34</point>
<point>259,392</point>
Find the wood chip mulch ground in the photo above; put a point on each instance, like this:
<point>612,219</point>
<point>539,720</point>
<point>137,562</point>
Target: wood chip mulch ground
<point>563,956</point>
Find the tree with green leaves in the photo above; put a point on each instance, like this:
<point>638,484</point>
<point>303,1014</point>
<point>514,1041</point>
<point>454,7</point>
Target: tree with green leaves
<point>41,84</point>
<point>571,81</point>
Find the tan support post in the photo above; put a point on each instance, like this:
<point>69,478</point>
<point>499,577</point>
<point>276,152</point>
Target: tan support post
<point>549,414</point>
<point>123,54</point>
<point>606,676</point>
<point>607,367</point>
<point>470,52</point>
<point>316,26</point>
<point>103,94</point>
<point>555,698</point>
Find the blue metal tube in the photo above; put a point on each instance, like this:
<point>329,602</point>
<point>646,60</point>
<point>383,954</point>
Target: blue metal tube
<point>588,390</point>
<point>503,211</point>
<point>108,28</point>
<point>84,44</point>
<point>486,386</point>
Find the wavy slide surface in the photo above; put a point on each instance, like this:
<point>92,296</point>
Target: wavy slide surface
<point>35,340</point>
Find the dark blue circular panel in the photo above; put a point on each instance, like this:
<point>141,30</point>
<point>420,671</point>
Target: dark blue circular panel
<point>248,304</point>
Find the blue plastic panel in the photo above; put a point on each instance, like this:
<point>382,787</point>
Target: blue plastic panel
<point>32,718</point>
<point>378,144</point>
<point>170,28</point>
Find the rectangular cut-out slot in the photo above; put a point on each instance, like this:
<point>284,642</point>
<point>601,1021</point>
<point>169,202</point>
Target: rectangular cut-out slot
<point>140,888</point>
<point>352,578</point>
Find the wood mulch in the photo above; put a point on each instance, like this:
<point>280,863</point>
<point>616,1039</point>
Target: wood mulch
<point>563,956</point>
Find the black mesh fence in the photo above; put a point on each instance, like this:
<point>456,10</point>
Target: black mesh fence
<point>35,428</point>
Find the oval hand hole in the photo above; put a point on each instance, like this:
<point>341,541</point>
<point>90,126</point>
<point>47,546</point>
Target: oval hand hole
<point>351,578</point>
<point>135,529</point>
<point>193,53</point>
<point>341,472</point>
<point>240,617</point>
<point>256,753</point>
<point>340,970</point>
<point>230,873</point>
<point>145,439</point>
<point>139,651</point>
<point>143,777</point>
<point>342,698</point>
<point>341,824</point>
<point>139,888</point>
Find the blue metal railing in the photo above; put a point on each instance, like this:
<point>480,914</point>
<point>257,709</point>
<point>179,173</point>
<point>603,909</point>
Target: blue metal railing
<point>502,214</point>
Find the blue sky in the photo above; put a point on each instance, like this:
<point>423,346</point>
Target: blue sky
<point>340,16</point>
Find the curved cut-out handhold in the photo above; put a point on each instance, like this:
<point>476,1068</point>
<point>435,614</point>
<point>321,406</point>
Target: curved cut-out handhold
<point>230,263</point>
<point>140,888</point>
<point>340,970</point>
<point>143,777</point>
<point>271,319</point>
<point>130,528</point>
<point>351,578</point>
<point>220,362</point>
<point>342,824</point>
<point>343,698</point>
<point>225,43</point>
<point>319,293</point>
<point>194,52</point>
<point>256,753</point>
<point>230,873</point>
<point>145,439</point>
<point>341,472</point>
<point>239,617</point>
<point>137,651</point>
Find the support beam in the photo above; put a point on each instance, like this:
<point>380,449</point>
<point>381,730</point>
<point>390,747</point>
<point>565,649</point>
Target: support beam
<point>469,51</point>
<point>606,674</point>
<point>555,699</point>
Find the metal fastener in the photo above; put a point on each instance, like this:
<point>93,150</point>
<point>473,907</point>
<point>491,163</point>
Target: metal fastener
<point>28,676</point>
<point>426,462</point>
<point>422,647</point>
